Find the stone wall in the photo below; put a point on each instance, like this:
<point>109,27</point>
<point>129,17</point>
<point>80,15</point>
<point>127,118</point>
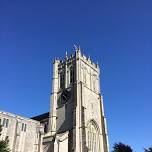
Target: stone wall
<point>24,134</point>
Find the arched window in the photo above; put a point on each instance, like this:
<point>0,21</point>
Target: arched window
<point>93,137</point>
<point>71,74</point>
<point>62,80</point>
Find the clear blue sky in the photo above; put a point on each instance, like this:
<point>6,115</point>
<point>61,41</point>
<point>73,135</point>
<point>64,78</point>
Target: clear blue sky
<point>116,33</point>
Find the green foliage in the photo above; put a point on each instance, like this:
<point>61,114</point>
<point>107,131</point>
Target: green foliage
<point>120,147</point>
<point>4,146</point>
<point>149,149</point>
<point>3,143</point>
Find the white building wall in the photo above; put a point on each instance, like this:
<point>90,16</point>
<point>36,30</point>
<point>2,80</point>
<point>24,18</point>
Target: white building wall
<point>23,133</point>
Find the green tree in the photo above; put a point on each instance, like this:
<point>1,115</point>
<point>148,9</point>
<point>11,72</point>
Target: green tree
<point>3,143</point>
<point>120,147</point>
<point>149,149</point>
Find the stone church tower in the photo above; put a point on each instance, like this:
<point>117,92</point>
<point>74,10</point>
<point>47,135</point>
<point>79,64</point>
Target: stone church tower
<point>76,122</point>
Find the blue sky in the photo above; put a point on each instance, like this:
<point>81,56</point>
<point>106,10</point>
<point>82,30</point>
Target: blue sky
<point>116,33</point>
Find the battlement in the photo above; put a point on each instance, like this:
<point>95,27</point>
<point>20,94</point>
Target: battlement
<point>75,56</point>
<point>89,61</point>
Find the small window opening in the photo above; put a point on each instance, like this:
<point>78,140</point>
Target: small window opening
<point>62,80</point>
<point>24,127</point>
<point>4,122</point>
<point>7,121</point>
<point>71,74</point>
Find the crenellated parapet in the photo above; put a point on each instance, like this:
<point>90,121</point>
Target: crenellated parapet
<point>75,56</point>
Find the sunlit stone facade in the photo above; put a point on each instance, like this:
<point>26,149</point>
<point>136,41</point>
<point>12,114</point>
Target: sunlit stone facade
<point>23,134</point>
<point>76,121</point>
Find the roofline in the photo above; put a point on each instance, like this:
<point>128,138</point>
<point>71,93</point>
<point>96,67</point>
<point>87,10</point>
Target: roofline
<point>18,116</point>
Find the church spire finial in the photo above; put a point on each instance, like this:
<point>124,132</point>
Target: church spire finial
<point>66,54</point>
<point>97,64</point>
<point>77,48</point>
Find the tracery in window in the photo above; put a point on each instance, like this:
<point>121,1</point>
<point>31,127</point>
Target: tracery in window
<point>93,137</point>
